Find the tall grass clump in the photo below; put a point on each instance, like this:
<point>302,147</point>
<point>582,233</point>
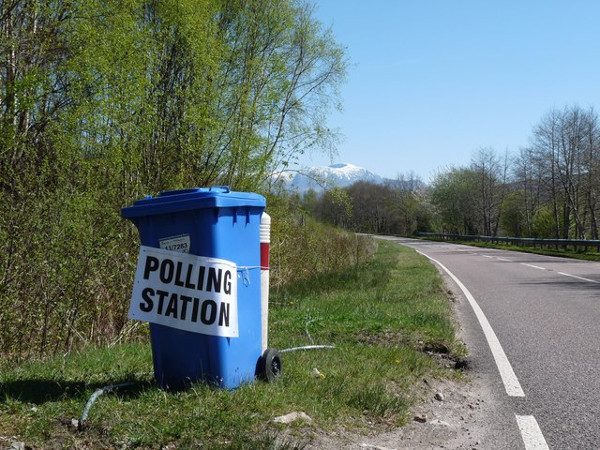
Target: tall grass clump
<point>302,248</point>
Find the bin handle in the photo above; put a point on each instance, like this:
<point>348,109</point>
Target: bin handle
<point>223,188</point>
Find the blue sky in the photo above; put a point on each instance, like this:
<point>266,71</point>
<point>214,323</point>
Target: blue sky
<point>432,81</point>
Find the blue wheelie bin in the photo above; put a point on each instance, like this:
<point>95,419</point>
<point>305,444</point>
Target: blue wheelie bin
<point>213,223</point>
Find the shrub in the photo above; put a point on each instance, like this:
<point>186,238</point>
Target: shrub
<point>302,248</point>
<point>68,262</point>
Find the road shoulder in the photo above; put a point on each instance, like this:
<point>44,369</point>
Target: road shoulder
<point>453,414</point>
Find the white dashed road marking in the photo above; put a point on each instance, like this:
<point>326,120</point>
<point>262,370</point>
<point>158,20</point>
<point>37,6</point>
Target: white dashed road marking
<point>535,267</point>
<point>579,278</point>
<point>531,433</point>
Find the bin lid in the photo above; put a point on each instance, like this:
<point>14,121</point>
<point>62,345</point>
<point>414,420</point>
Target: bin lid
<point>196,198</point>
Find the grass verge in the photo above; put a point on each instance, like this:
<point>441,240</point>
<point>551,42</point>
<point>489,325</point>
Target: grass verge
<point>391,324</point>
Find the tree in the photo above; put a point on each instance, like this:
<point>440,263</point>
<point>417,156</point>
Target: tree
<point>371,205</point>
<point>453,193</point>
<point>564,152</point>
<point>371,208</point>
<point>335,207</point>
<point>491,183</point>
<point>512,217</point>
<point>529,181</point>
<point>103,101</point>
<point>591,169</point>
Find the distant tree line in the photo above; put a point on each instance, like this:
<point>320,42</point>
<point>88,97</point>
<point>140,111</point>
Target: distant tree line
<point>398,207</point>
<point>105,101</point>
<point>550,189</point>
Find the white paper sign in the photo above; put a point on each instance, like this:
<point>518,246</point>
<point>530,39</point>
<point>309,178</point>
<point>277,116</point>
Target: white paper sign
<point>184,291</point>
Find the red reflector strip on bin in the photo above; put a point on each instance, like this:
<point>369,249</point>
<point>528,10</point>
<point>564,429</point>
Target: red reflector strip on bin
<point>185,291</point>
<point>264,255</point>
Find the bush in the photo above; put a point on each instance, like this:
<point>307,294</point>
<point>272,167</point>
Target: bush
<point>302,248</point>
<point>68,262</point>
<point>544,224</point>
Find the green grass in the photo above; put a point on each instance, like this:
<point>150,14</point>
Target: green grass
<point>385,320</point>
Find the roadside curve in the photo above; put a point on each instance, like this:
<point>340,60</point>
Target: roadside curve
<point>511,383</point>
<point>530,431</point>
<point>543,312</point>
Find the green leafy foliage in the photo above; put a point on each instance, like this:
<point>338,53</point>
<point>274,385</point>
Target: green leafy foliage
<point>304,248</point>
<point>394,208</point>
<point>104,102</point>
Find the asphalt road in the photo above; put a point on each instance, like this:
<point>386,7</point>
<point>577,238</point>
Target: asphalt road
<point>545,313</point>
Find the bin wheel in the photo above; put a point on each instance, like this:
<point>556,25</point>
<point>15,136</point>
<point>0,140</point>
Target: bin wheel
<point>271,367</point>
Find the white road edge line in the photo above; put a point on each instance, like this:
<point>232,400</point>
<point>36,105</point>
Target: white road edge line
<point>579,278</point>
<point>531,433</point>
<point>535,267</point>
<point>511,383</point>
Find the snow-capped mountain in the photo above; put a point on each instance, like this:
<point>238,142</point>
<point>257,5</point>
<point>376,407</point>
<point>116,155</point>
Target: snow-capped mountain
<point>324,178</point>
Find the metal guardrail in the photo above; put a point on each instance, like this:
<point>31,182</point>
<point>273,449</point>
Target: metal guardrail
<point>575,244</point>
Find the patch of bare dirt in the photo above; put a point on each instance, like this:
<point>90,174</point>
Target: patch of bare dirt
<point>451,416</point>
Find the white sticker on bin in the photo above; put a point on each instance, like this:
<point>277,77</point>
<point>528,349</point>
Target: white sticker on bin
<point>179,243</point>
<point>188,292</point>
